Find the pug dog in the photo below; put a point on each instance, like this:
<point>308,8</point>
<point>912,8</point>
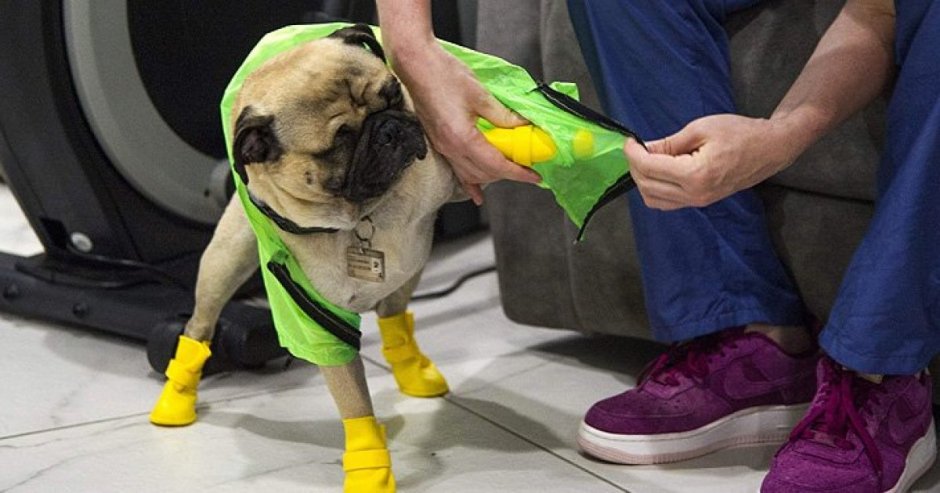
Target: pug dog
<point>326,139</point>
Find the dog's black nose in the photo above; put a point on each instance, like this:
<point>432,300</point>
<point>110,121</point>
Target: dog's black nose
<point>391,92</point>
<point>390,142</point>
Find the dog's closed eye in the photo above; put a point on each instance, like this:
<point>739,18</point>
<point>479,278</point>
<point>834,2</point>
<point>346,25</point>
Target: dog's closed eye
<point>343,134</point>
<point>343,143</point>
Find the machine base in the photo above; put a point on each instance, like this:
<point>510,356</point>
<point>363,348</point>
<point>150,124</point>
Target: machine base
<point>133,304</point>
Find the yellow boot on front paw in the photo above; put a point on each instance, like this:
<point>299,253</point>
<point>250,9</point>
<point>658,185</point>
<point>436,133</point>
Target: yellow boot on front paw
<point>367,463</point>
<point>415,374</point>
<point>177,403</point>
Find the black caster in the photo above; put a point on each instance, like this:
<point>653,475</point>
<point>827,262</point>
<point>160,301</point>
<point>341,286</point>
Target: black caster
<point>234,346</point>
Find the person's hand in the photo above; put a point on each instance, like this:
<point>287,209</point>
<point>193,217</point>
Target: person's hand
<point>708,160</point>
<point>448,100</point>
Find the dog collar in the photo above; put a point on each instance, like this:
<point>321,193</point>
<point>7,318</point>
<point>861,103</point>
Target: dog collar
<point>284,223</point>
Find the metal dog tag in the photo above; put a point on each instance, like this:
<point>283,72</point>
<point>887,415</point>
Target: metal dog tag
<point>365,264</point>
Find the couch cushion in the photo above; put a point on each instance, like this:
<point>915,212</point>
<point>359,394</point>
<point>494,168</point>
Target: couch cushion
<point>815,237</point>
<point>546,279</point>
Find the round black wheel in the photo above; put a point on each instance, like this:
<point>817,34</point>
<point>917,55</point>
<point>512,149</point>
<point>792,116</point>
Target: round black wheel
<point>234,346</point>
<point>161,345</point>
<point>249,346</point>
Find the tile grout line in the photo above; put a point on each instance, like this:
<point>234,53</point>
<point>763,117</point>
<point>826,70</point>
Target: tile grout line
<point>69,427</point>
<point>146,413</point>
<point>231,398</point>
<point>545,449</point>
<point>514,433</point>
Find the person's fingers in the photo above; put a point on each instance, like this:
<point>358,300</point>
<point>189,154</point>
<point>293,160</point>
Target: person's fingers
<point>497,114</point>
<point>657,146</point>
<point>636,152</point>
<point>666,182</point>
<point>652,166</point>
<point>495,165</point>
<point>662,167</point>
<point>663,205</point>
<point>475,192</point>
<point>659,195</point>
<point>651,188</point>
<point>666,188</point>
<point>515,172</point>
<point>690,138</point>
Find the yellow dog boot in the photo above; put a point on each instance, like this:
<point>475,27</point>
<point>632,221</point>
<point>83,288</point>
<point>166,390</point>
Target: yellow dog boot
<point>415,374</point>
<point>367,463</point>
<point>177,403</point>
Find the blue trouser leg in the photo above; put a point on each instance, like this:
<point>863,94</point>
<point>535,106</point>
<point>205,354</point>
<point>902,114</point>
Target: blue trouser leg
<point>657,65</point>
<point>886,318</point>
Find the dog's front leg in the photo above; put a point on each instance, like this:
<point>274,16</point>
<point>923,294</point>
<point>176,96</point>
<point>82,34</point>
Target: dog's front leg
<point>367,463</point>
<point>227,263</point>
<point>415,374</point>
<point>229,260</point>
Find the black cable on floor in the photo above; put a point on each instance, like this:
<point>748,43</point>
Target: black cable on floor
<point>161,275</point>
<point>453,287</point>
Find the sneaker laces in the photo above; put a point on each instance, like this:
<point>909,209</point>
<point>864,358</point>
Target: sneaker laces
<point>837,414</point>
<point>690,359</point>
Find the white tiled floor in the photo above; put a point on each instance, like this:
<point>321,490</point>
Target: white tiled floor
<point>74,410</point>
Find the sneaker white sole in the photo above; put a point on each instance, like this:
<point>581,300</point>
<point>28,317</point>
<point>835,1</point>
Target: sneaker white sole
<point>765,424</point>
<point>919,460</point>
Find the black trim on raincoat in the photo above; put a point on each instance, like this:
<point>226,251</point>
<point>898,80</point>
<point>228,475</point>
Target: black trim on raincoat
<point>579,109</point>
<point>319,313</point>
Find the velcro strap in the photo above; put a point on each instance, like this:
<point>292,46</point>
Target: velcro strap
<point>367,459</point>
<point>401,353</point>
<point>178,373</point>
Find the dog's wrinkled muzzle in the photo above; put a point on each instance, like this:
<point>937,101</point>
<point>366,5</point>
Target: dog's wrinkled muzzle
<point>389,142</point>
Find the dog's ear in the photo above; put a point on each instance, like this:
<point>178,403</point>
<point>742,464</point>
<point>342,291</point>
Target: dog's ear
<point>390,141</point>
<point>360,34</point>
<point>255,141</point>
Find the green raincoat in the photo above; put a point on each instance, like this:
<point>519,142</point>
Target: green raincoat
<point>314,329</point>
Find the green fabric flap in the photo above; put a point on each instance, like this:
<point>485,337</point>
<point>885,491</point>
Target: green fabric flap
<point>577,183</point>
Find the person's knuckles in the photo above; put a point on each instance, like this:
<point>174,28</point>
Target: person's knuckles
<point>662,146</point>
<point>640,164</point>
<point>700,179</point>
<point>476,176</point>
<point>702,200</point>
<point>633,150</point>
<point>464,174</point>
<point>659,204</point>
<point>648,193</point>
<point>453,137</point>
<point>705,196</point>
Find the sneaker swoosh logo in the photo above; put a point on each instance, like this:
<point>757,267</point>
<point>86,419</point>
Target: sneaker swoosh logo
<point>739,382</point>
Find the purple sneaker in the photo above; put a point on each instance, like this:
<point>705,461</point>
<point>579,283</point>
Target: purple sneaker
<point>721,390</point>
<point>858,436</point>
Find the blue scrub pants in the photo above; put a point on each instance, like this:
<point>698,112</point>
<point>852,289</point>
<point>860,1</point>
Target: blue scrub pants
<point>659,64</point>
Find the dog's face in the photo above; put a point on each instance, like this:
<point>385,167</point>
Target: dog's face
<point>324,130</point>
